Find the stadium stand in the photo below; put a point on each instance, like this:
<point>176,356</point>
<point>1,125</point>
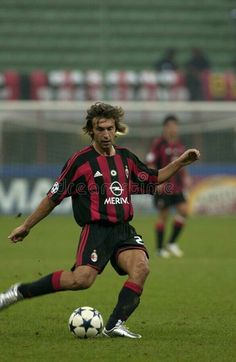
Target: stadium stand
<point>117,85</point>
<point>128,34</point>
<point>10,85</point>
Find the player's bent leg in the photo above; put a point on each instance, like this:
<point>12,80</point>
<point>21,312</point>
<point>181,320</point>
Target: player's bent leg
<point>45,285</point>
<point>81,278</point>
<point>135,263</point>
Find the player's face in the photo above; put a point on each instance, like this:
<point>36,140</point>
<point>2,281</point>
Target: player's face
<point>171,130</point>
<point>104,131</point>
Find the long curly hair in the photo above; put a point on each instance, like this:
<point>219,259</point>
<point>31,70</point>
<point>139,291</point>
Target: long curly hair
<point>101,110</point>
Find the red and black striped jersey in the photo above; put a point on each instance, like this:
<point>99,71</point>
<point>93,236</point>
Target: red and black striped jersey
<point>161,154</point>
<point>101,186</point>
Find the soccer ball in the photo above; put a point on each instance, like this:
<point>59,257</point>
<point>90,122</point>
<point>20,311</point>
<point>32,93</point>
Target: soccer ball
<point>85,322</point>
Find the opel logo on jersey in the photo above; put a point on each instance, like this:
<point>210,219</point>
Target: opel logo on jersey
<point>116,188</point>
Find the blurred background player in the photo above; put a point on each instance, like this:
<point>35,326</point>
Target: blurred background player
<point>164,150</point>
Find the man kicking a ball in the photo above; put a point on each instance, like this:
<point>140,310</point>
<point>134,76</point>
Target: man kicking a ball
<point>100,180</point>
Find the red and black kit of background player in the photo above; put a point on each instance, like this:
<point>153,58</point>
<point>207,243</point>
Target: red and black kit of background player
<point>164,150</point>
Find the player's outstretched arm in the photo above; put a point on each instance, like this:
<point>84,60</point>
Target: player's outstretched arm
<point>185,159</point>
<point>44,208</point>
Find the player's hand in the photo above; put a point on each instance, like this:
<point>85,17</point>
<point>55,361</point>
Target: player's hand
<point>189,156</point>
<point>18,234</point>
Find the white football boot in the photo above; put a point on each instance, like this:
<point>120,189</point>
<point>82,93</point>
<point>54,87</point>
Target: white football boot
<point>175,250</point>
<point>11,296</point>
<point>120,330</point>
<point>163,253</point>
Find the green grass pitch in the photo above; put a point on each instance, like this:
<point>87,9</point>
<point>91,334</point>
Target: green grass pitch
<point>187,312</point>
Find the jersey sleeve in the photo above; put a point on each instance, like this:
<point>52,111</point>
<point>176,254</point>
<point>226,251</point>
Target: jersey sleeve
<point>63,186</point>
<point>144,180</point>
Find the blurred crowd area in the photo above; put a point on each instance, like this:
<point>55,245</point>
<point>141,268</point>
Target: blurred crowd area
<point>126,50</point>
<point>116,85</point>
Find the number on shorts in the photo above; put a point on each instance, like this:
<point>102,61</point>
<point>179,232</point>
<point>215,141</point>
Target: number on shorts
<point>138,239</point>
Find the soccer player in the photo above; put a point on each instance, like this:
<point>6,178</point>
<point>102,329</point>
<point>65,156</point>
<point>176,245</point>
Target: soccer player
<point>164,150</point>
<point>100,180</point>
